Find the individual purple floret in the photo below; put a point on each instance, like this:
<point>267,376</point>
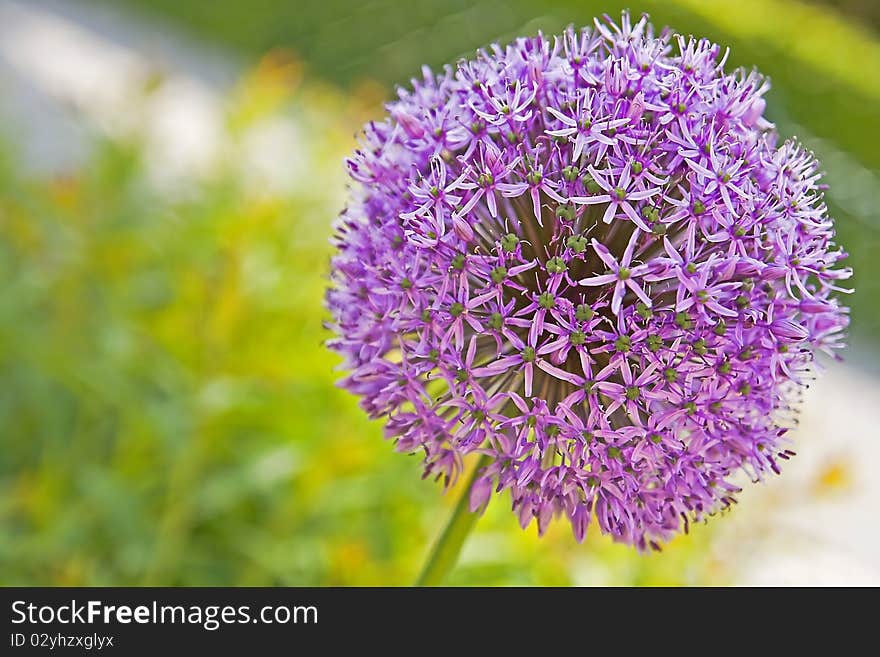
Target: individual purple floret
<point>588,258</point>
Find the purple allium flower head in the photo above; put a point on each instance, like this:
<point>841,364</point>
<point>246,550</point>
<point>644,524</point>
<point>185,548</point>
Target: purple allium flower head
<point>588,258</point>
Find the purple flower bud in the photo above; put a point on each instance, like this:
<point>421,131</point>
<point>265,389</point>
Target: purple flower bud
<point>409,123</point>
<point>784,328</point>
<point>480,493</point>
<point>813,306</point>
<point>754,112</point>
<point>462,229</point>
<point>587,257</point>
<point>580,520</point>
<point>636,107</point>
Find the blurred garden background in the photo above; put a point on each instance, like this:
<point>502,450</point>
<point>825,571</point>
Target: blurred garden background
<point>169,173</point>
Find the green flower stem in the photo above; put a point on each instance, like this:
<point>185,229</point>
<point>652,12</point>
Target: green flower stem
<point>445,552</point>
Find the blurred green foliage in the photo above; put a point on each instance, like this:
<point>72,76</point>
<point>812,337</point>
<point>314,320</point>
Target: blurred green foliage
<point>168,411</point>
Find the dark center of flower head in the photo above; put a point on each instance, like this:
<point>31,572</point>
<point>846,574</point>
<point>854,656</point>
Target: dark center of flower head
<point>606,292</point>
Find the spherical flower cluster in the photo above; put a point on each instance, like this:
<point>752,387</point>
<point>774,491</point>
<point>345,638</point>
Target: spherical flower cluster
<point>588,259</point>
